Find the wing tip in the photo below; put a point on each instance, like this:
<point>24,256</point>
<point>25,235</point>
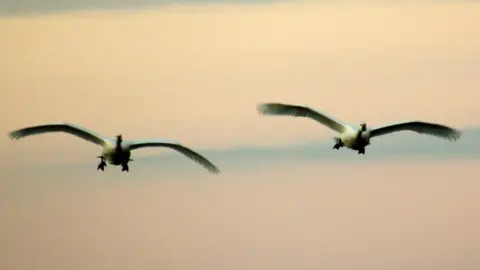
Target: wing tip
<point>262,108</point>
<point>271,108</point>
<point>214,171</point>
<point>455,135</point>
<point>15,135</point>
<point>211,168</point>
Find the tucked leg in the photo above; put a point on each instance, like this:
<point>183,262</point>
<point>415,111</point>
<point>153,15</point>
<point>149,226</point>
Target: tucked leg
<point>125,167</point>
<point>361,151</point>
<point>102,164</point>
<point>338,143</point>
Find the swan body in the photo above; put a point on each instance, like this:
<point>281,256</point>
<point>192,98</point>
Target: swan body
<point>357,138</point>
<point>115,151</point>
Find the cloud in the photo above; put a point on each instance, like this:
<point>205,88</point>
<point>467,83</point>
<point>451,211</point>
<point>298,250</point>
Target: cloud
<point>399,145</point>
<point>403,145</point>
<point>52,6</point>
<point>21,7</point>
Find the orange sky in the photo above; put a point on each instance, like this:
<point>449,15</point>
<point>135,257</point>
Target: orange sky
<point>195,74</point>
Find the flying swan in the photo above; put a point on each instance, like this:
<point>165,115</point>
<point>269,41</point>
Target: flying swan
<point>357,138</point>
<point>115,151</point>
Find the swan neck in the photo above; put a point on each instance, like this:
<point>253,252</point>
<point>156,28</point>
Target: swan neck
<point>359,133</point>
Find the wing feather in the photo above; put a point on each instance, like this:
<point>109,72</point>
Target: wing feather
<point>301,111</point>
<point>178,147</point>
<point>432,129</point>
<point>72,129</point>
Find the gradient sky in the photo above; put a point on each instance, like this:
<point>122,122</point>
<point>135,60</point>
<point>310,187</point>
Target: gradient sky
<point>195,73</point>
<point>297,217</point>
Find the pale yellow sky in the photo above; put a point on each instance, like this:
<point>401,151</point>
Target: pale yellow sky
<point>195,74</point>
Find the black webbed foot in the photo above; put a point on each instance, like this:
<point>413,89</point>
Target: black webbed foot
<point>338,143</point>
<point>102,164</point>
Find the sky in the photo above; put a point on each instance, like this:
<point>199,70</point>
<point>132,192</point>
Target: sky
<point>309,215</point>
<point>194,72</point>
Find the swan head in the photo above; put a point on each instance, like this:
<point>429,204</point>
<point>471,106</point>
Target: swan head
<point>119,138</point>
<point>363,126</point>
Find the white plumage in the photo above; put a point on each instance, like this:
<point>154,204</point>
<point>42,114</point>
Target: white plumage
<point>357,138</point>
<point>116,152</point>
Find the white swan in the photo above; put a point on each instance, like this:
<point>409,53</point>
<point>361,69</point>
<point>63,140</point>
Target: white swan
<point>357,138</point>
<point>116,152</point>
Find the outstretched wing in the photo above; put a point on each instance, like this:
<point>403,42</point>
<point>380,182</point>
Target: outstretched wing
<point>64,127</point>
<point>419,127</point>
<point>178,147</point>
<point>300,111</point>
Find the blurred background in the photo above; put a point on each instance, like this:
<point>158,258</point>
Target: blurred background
<point>194,72</point>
